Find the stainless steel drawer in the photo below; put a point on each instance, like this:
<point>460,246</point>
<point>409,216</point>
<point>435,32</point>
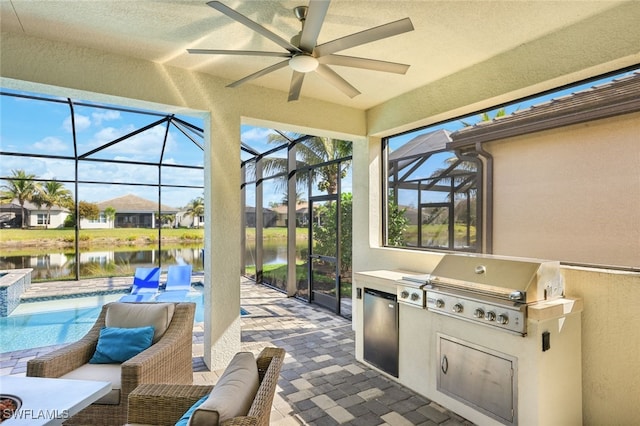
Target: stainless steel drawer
<point>479,377</point>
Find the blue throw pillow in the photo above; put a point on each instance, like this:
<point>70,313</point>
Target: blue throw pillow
<point>184,420</point>
<point>117,345</point>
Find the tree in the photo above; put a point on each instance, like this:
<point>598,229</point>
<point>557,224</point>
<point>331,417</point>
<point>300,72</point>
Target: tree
<point>315,150</point>
<point>325,232</point>
<point>20,187</point>
<point>195,208</point>
<point>52,193</point>
<point>397,223</point>
<point>87,210</point>
<point>166,219</point>
<point>486,117</point>
<point>110,214</point>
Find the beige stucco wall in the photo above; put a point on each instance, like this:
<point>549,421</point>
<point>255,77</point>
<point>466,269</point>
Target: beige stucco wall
<point>610,344</point>
<point>570,194</point>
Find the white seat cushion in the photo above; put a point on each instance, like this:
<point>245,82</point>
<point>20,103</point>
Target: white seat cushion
<point>102,373</point>
<point>232,395</point>
<point>133,315</point>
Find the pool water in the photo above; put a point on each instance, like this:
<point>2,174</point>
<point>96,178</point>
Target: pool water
<point>55,322</point>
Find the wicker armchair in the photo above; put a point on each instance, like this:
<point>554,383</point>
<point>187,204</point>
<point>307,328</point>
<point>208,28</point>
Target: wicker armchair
<point>164,404</point>
<point>169,360</point>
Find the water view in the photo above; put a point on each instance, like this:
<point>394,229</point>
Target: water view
<point>60,264</point>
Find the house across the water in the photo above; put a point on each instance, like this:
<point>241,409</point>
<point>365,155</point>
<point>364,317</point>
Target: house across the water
<point>131,211</point>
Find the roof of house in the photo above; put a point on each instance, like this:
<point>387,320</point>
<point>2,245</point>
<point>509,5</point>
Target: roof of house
<point>421,145</point>
<point>133,204</point>
<point>28,205</point>
<point>283,208</point>
<point>616,97</point>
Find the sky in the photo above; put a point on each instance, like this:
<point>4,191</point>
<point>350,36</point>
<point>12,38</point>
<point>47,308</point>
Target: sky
<point>29,126</point>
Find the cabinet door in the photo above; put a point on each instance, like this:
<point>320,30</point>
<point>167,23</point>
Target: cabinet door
<point>483,380</point>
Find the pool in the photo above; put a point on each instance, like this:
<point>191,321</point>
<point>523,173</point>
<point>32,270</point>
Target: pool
<point>56,322</point>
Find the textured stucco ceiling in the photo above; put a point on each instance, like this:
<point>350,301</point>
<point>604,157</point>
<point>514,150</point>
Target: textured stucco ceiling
<point>449,36</point>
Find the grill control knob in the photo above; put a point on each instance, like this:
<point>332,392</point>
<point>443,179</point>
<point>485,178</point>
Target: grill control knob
<point>478,313</point>
<point>415,296</point>
<point>490,316</point>
<point>503,319</point>
<point>439,303</point>
<point>404,294</point>
<point>457,308</point>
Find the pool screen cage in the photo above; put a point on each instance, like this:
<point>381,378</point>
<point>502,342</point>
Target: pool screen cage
<point>156,128</point>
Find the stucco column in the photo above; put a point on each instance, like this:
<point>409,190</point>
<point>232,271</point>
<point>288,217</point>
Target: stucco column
<point>222,240</point>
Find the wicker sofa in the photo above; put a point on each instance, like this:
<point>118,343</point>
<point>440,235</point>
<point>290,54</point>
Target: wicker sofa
<point>167,360</point>
<point>165,404</point>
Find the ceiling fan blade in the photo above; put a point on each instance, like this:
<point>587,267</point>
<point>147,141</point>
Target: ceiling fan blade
<point>260,73</point>
<point>239,52</point>
<point>296,85</point>
<point>312,24</point>
<point>366,36</point>
<point>332,77</point>
<point>252,25</point>
<point>368,64</point>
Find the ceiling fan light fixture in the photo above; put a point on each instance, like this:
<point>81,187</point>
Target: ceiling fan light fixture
<point>303,63</point>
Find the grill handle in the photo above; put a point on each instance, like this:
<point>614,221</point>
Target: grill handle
<point>516,296</point>
<point>444,364</point>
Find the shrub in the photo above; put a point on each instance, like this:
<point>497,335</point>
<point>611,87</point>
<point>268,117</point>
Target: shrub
<point>190,236</point>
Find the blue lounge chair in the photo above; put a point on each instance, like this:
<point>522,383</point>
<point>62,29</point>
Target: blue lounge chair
<point>145,285</point>
<point>178,284</point>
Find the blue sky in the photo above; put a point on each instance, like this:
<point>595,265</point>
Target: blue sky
<point>38,127</point>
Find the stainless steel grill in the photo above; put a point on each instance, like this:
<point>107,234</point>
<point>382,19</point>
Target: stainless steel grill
<point>490,290</point>
<point>410,289</point>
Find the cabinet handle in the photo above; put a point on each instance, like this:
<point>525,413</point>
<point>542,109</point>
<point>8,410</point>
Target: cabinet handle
<point>444,364</point>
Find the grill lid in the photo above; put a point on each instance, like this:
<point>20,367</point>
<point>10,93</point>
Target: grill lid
<point>517,279</point>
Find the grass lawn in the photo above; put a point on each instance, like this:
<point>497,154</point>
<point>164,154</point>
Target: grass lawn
<point>277,233</point>
<point>116,235</point>
<point>434,231</point>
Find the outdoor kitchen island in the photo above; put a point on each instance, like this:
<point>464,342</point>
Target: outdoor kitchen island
<point>512,358</point>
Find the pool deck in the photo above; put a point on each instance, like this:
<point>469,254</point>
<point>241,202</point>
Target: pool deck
<point>321,383</point>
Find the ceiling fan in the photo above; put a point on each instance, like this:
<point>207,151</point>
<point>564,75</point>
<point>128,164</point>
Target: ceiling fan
<point>304,55</point>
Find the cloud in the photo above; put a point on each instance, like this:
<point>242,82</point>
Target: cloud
<point>82,122</point>
<point>145,146</point>
<point>51,144</point>
<point>107,115</point>
<point>255,134</point>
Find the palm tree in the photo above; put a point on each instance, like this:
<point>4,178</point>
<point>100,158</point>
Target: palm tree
<point>20,187</point>
<point>502,112</point>
<point>195,208</point>
<point>315,150</point>
<point>110,215</point>
<point>53,193</point>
